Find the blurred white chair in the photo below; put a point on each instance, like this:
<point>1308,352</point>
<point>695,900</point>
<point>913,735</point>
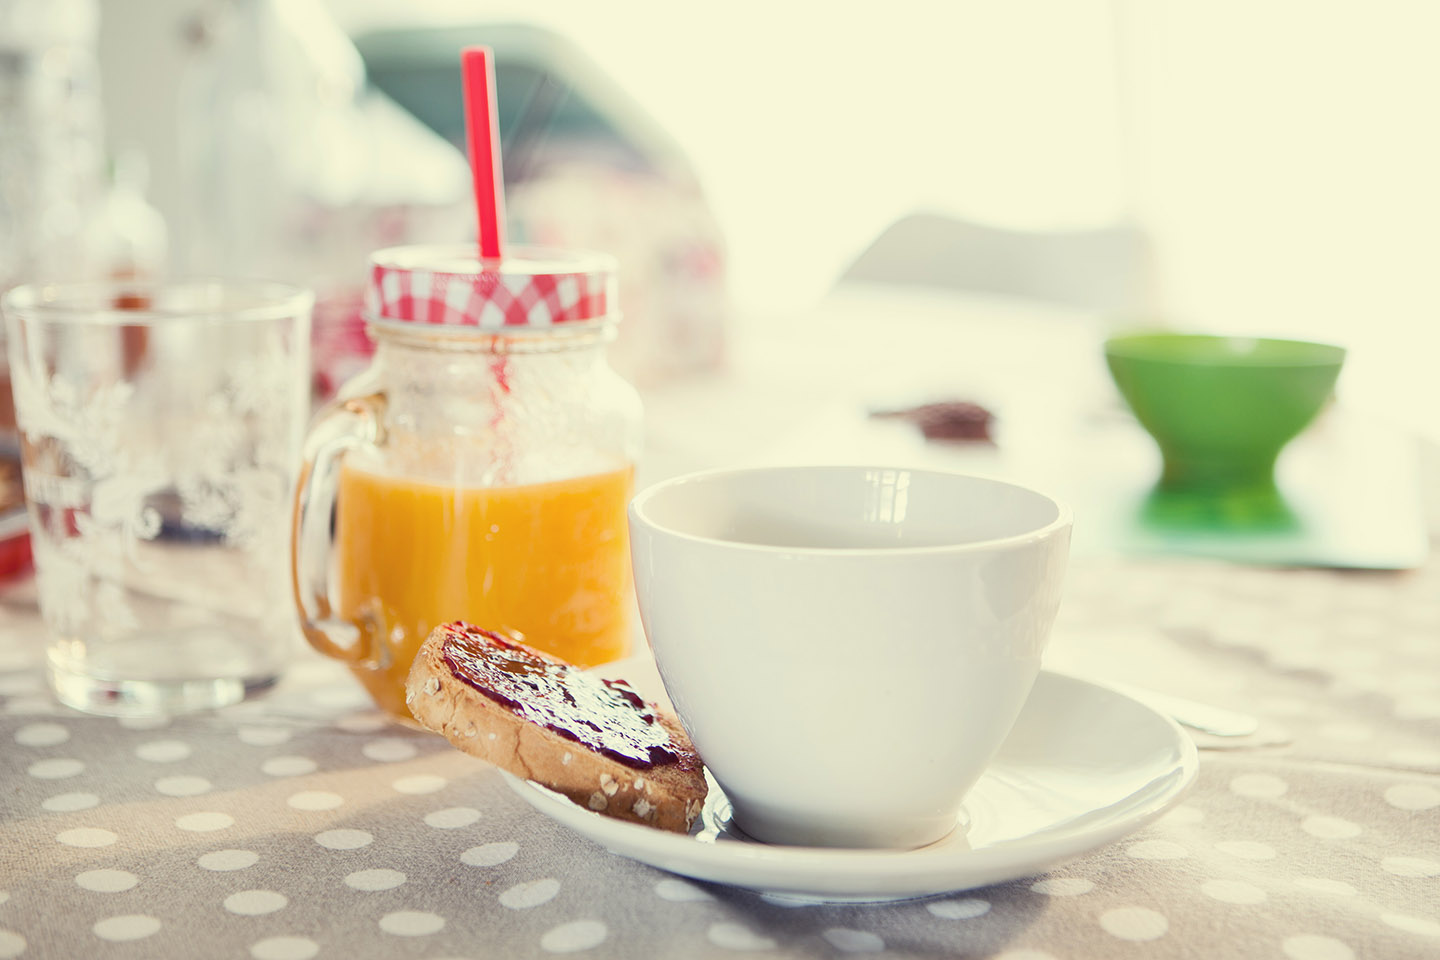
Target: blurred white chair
<point>1106,269</point>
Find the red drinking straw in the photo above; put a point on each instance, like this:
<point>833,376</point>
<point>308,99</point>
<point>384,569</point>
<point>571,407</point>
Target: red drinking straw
<point>482,135</point>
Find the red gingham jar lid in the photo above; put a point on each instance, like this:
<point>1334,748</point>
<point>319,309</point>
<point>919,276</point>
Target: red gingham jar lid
<point>531,287</point>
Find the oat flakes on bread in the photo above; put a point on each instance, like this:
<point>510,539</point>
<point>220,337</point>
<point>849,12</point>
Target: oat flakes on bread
<point>595,741</point>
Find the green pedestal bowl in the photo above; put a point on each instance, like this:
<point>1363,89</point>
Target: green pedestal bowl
<point>1222,408</point>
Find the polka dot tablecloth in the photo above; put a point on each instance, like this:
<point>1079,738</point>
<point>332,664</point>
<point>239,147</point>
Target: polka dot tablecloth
<point>305,825</point>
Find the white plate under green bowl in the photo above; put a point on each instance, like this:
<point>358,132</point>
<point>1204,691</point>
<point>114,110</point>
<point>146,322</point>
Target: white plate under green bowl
<point>1083,767</point>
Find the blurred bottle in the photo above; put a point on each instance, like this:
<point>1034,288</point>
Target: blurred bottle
<point>294,170</point>
<point>51,151</point>
<point>128,240</point>
<point>51,136</point>
<point>126,235</point>
<point>51,160</point>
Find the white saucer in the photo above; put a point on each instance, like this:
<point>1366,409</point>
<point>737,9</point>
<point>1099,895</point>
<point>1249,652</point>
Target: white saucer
<point>1084,766</point>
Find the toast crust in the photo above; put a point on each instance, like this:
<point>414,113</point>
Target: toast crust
<point>666,794</point>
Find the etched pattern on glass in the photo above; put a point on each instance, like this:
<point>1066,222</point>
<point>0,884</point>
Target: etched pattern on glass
<point>109,466</point>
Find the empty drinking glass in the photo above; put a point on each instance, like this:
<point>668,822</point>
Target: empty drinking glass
<point>160,429</point>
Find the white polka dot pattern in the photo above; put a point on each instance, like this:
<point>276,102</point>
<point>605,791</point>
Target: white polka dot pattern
<point>41,735</point>
<point>1313,947</point>
<point>1412,796</point>
<point>1184,815</point>
<point>143,723</point>
<point>1246,849</point>
<point>1134,923</point>
<point>58,768</point>
<point>966,909</point>
<point>490,854</point>
<point>70,802</point>
<point>255,903</point>
<point>1258,785</point>
<point>182,786</point>
<point>284,948</point>
<point>1410,866</point>
<point>532,893</point>
<point>390,750</point>
<point>1330,828</point>
<point>363,723</point>
<point>205,821</point>
<point>225,860</point>
<point>1233,891</point>
<point>419,784</point>
<point>679,891</point>
<point>1064,886</point>
<point>306,824</point>
<point>735,936</point>
<point>107,881</point>
<point>847,940</point>
<point>263,736</point>
<point>411,923</point>
<point>1418,925</point>
<point>344,839</point>
<point>132,926</point>
<point>163,751</point>
<point>372,880</point>
<point>315,800</point>
<point>289,766</point>
<point>1157,850</point>
<point>1415,757</point>
<point>452,818</point>
<point>574,937</point>
<point>1334,888</point>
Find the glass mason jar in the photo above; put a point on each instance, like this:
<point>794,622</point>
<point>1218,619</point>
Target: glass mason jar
<point>479,470</point>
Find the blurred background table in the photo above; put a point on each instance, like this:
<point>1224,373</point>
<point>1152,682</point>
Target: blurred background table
<point>305,825</point>
<point>804,388</point>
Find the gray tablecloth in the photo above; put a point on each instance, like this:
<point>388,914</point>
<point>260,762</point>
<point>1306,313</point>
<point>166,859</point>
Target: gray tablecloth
<point>304,825</point>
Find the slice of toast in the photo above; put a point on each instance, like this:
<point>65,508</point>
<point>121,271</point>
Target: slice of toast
<point>595,741</point>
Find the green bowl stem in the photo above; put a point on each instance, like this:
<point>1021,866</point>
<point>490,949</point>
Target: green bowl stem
<point>1254,474</point>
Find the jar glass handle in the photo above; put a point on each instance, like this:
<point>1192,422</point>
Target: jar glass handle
<point>341,426</point>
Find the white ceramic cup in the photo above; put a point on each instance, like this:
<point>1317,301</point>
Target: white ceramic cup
<point>847,646</point>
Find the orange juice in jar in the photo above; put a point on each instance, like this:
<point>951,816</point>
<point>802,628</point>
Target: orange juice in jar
<point>479,470</point>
